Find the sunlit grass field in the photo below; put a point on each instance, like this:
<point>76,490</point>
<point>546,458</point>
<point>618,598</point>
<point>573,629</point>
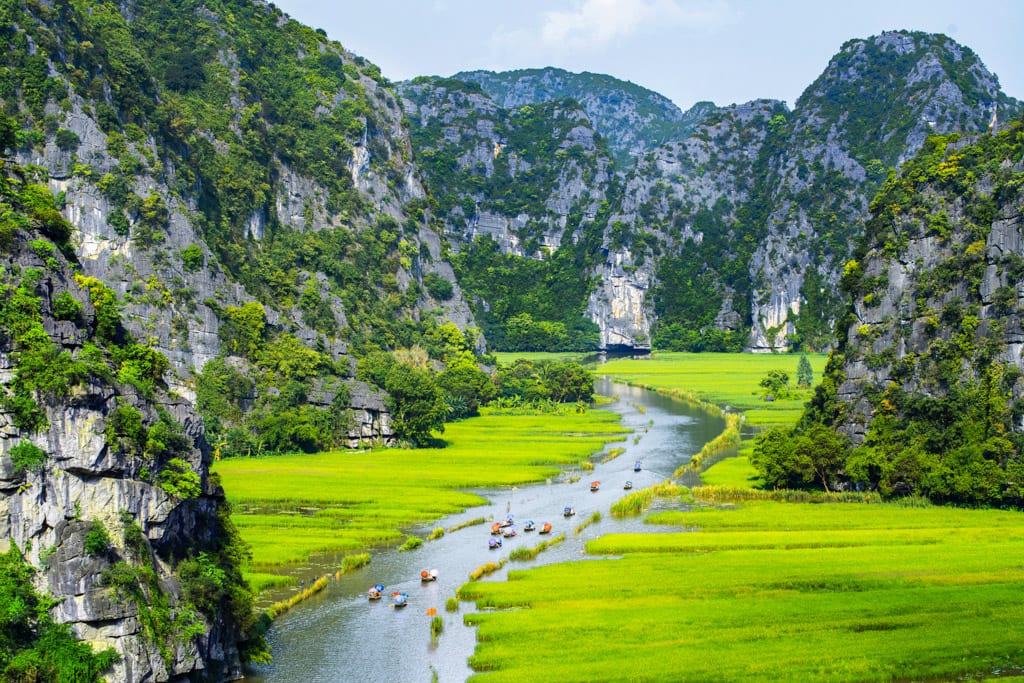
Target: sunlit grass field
<point>291,507</point>
<point>770,591</point>
<point>725,379</point>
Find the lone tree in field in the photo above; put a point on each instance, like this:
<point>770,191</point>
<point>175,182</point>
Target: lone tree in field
<point>804,374</point>
<point>775,383</point>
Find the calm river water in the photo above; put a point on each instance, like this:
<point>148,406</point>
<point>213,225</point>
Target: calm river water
<point>340,636</point>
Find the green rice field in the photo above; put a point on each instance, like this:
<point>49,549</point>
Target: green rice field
<point>724,379</point>
<point>289,508</point>
<point>769,591</point>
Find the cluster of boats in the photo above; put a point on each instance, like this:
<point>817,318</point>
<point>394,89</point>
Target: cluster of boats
<point>507,529</point>
<point>499,530</point>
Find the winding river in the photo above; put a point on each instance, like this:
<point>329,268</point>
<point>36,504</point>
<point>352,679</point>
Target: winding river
<point>341,636</point>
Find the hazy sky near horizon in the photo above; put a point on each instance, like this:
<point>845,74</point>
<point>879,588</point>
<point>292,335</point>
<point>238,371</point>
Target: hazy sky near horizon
<point>726,51</point>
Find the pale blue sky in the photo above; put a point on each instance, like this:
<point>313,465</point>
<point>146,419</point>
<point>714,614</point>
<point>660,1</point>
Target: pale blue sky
<point>688,50</point>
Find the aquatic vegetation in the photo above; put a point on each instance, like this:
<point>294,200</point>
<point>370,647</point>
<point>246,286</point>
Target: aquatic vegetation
<point>612,454</point>
<point>350,563</point>
<point>637,502</point>
<point>279,608</point>
<point>436,626</point>
<point>592,519</point>
<point>438,532</point>
<point>727,441</point>
<point>451,605</point>
<point>524,554</point>
<point>468,523</point>
<point>411,543</point>
<point>485,569</point>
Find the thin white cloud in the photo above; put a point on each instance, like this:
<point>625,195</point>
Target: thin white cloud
<point>592,24</point>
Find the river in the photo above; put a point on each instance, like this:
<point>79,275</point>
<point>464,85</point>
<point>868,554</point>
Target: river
<point>339,635</point>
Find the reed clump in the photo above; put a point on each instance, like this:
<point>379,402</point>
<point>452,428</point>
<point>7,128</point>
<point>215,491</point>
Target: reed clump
<point>411,543</point>
<point>592,519</point>
<point>486,569</point>
<point>436,626</point>
<point>437,533</point>
<point>525,554</point>
<point>728,440</point>
<point>612,454</point>
<point>638,502</point>
<point>350,563</point>
<point>468,523</point>
<point>451,605</point>
<point>282,606</point>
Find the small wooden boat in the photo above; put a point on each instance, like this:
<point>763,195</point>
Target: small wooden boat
<point>496,529</point>
<point>595,486</point>
<point>509,533</point>
<point>494,543</point>
<point>545,528</point>
<point>426,576</point>
<point>628,485</point>
<point>529,526</point>
<point>636,466</point>
<point>569,511</point>
<point>374,594</point>
<point>399,599</point>
<point>508,522</point>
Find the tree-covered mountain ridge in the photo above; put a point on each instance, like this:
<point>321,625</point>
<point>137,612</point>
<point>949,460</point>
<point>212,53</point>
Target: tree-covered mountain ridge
<point>925,391</point>
<point>732,235</point>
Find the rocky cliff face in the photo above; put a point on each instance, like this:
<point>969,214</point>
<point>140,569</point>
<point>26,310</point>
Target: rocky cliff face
<point>937,292</point>
<point>733,230</point>
<point>104,479</point>
<point>633,119</point>
<point>199,180</point>
<point>870,110</point>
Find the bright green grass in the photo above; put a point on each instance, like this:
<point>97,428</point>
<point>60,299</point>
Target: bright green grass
<point>291,507</point>
<point>725,379</point>
<point>736,472</point>
<point>770,591</point>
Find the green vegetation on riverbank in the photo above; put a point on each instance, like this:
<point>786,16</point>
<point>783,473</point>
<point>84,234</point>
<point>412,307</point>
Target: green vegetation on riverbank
<point>769,591</point>
<point>724,379</point>
<point>291,507</point>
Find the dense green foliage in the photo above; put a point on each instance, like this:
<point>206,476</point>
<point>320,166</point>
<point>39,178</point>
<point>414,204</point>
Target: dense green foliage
<point>32,646</point>
<point>943,427</point>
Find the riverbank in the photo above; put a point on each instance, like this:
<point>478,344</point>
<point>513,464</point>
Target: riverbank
<point>741,588</point>
<point>289,508</point>
<point>769,591</point>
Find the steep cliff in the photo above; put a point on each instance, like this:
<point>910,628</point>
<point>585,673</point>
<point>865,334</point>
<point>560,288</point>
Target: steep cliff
<point>523,195</point>
<point>104,480</point>
<point>731,232</point>
<point>212,156</point>
<point>633,119</point>
<point>927,385</point>
<point>869,111</point>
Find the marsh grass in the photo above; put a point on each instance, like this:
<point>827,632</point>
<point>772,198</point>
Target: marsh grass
<point>485,569</point>
<point>769,590</point>
<point>712,451</point>
<point>638,502</point>
<point>612,454</point>
<point>468,523</point>
<point>411,543</point>
<point>592,519</point>
<point>451,604</point>
<point>438,532</point>
<point>291,507</point>
<point>436,626</point>
<point>525,554</point>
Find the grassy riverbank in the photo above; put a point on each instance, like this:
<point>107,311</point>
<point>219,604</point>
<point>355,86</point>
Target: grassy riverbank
<point>770,591</point>
<point>724,379</point>
<point>289,508</point>
<point>751,590</point>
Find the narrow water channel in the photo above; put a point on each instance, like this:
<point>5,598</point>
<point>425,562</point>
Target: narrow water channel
<point>341,636</point>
